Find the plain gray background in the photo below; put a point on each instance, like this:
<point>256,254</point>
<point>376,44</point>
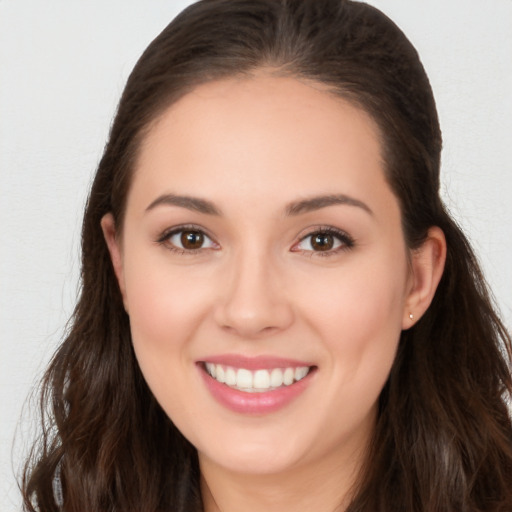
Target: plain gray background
<point>63,65</point>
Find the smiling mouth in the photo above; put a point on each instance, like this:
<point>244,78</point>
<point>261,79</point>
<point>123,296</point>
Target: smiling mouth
<point>257,381</point>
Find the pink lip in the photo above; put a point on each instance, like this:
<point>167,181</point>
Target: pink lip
<point>255,403</point>
<point>255,363</point>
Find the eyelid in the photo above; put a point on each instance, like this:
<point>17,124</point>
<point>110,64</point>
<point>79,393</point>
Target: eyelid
<point>347,242</point>
<point>167,234</point>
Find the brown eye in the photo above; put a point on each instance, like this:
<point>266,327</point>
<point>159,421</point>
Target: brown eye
<point>329,241</point>
<point>191,240</point>
<point>188,240</point>
<point>322,242</point>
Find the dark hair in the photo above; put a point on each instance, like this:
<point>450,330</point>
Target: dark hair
<point>443,440</point>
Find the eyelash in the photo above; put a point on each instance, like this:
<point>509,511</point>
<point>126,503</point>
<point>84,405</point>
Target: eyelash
<point>346,241</point>
<point>164,239</point>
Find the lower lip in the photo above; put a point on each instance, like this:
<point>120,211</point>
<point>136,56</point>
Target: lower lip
<point>254,403</point>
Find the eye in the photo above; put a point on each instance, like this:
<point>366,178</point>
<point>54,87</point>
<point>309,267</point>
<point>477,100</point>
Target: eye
<point>187,240</point>
<point>325,240</point>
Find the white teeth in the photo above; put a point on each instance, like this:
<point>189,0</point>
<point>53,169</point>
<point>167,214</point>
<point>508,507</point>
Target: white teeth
<point>243,378</point>
<point>256,381</point>
<point>301,372</point>
<point>220,374</point>
<point>210,368</point>
<point>288,376</point>
<point>230,377</point>
<point>261,379</point>
<point>276,378</point>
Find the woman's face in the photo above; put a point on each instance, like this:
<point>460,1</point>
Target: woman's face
<point>263,245</point>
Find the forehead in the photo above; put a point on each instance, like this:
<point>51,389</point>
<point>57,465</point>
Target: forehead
<point>262,135</point>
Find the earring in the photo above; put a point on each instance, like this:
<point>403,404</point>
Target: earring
<point>411,316</point>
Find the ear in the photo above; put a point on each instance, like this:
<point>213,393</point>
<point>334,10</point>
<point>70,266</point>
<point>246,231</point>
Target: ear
<point>108,226</point>
<point>427,265</point>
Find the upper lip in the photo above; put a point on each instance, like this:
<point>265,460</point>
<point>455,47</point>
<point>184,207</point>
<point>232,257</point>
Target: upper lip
<point>264,362</point>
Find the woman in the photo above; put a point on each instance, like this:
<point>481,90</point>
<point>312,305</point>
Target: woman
<point>277,313</point>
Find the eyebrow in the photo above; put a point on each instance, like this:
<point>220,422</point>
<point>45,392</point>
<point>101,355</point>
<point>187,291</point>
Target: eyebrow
<point>318,202</point>
<point>294,208</point>
<point>188,202</point>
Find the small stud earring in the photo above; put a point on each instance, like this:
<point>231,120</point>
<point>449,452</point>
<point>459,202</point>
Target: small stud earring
<point>411,316</point>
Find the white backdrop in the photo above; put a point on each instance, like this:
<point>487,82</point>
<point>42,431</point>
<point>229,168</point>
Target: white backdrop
<point>62,68</point>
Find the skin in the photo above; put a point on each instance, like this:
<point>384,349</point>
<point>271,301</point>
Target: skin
<point>252,147</point>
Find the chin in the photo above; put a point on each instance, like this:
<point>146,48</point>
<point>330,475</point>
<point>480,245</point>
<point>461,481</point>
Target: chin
<point>253,459</point>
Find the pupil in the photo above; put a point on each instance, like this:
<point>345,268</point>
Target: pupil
<point>192,239</point>
<point>322,242</point>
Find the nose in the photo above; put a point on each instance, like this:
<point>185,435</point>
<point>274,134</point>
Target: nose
<point>253,299</point>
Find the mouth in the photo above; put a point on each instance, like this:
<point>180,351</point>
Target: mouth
<point>256,381</point>
<point>255,385</point>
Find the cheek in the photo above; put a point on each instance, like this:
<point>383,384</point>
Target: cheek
<point>360,325</point>
<point>164,301</point>
<point>368,293</point>
<point>165,307</point>
<point>360,317</point>
<point>165,311</point>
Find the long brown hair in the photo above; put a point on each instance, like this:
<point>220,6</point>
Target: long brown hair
<point>443,440</point>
